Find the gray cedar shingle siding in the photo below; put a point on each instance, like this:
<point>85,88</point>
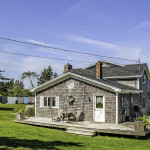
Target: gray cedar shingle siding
<point>81,92</point>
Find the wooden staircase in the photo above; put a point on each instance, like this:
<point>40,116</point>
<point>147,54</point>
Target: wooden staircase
<point>80,131</point>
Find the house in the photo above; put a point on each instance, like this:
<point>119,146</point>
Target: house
<point>105,92</point>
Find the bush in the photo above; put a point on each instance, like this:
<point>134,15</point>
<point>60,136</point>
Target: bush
<point>142,119</point>
<point>20,108</point>
<point>30,112</point>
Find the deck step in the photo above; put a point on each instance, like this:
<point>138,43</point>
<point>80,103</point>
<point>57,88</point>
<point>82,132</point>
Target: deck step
<point>80,131</point>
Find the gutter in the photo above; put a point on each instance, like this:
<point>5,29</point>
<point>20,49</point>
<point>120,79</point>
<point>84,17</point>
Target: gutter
<point>122,77</point>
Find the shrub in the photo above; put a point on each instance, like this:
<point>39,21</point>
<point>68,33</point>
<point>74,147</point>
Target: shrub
<point>30,112</point>
<point>19,108</point>
<point>142,119</point>
<point>20,111</point>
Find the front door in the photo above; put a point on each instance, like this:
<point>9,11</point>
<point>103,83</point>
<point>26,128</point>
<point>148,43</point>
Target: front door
<point>99,109</point>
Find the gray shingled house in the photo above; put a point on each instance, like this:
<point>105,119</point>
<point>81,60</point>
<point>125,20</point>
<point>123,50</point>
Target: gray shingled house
<point>105,92</point>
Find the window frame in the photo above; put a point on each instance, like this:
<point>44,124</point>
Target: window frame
<point>51,101</point>
<point>144,79</point>
<point>122,101</point>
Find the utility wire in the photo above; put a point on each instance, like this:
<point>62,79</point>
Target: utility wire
<point>43,56</point>
<point>61,49</point>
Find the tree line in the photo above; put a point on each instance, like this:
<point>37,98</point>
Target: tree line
<point>15,88</point>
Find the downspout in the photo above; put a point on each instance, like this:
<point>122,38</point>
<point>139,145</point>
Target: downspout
<point>35,104</point>
<point>130,105</point>
<point>117,121</point>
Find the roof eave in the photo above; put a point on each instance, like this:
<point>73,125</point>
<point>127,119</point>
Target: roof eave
<point>122,77</point>
<point>129,91</point>
<point>79,77</point>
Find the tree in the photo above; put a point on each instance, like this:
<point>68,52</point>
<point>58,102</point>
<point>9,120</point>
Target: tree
<point>19,83</point>
<point>30,76</point>
<point>46,75</point>
<point>17,91</point>
<point>3,85</point>
<point>55,75</point>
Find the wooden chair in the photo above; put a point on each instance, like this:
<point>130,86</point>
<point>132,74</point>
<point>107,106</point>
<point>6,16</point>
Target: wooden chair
<point>75,118</point>
<point>58,117</point>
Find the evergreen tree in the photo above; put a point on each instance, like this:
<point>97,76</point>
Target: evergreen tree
<point>55,75</point>
<point>46,75</point>
<point>3,85</point>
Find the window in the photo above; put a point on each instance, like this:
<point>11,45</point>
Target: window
<point>144,78</point>
<point>99,101</point>
<point>70,85</point>
<point>50,102</point>
<point>124,100</point>
<point>45,101</point>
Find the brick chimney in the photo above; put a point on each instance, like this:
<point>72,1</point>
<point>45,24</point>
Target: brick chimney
<point>67,67</point>
<point>99,70</point>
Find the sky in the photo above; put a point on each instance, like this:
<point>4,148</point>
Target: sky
<point>113,28</point>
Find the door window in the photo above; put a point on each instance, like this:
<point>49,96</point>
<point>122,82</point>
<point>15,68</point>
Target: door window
<point>99,102</point>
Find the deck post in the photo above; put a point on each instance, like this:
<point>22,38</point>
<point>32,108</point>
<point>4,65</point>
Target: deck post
<point>35,104</point>
<point>116,107</point>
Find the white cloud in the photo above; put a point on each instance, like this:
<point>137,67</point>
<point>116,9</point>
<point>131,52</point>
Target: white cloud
<point>143,24</point>
<point>97,43</point>
<point>37,65</point>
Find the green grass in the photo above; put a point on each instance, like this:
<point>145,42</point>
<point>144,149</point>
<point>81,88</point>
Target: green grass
<point>20,136</point>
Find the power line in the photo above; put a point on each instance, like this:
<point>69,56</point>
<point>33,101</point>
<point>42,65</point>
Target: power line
<point>61,49</point>
<point>43,57</point>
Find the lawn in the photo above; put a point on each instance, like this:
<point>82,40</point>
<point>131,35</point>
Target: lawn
<point>20,136</point>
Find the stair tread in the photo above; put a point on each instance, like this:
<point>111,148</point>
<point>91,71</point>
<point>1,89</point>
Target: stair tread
<point>80,133</point>
<point>81,130</point>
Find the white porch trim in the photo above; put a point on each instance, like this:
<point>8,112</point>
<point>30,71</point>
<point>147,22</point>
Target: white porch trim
<point>35,104</point>
<point>117,120</point>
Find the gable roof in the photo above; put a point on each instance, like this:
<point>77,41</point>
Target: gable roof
<point>105,63</point>
<point>114,71</point>
<point>106,84</point>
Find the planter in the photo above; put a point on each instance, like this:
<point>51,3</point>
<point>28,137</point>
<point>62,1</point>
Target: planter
<point>20,116</point>
<point>139,126</point>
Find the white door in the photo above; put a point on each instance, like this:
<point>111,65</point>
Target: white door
<point>99,109</point>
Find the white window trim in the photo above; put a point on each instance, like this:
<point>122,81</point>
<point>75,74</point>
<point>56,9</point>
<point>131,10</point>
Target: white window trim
<point>47,101</point>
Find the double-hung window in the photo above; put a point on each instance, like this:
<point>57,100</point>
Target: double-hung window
<point>144,78</point>
<point>49,101</point>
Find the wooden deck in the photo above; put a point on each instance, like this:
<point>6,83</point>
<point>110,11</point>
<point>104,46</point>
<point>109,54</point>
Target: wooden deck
<point>88,128</point>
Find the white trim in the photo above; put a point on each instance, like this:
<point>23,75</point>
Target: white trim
<point>122,77</point>
<point>79,77</point>
<point>56,101</point>
<point>93,107</point>
<point>129,91</point>
<point>117,121</point>
<point>138,83</point>
<point>35,105</point>
<point>94,96</point>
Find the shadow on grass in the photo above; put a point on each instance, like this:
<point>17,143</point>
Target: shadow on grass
<point>35,144</point>
<point>147,137</point>
<point>8,109</point>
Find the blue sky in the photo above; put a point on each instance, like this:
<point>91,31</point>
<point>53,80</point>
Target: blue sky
<point>116,28</point>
